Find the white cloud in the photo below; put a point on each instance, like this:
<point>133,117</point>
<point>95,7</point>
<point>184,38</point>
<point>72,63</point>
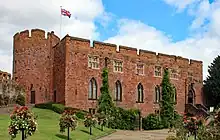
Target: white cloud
<point>24,14</point>
<point>202,46</point>
<point>180,5</point>
<point>20,15</point>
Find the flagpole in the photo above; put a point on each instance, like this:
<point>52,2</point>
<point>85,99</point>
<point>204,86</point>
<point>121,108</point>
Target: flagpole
<point>60,22</point>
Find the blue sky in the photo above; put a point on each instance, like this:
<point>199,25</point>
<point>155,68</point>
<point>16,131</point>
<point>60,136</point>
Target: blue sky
<point>152,12</point>
<point>187,28</point>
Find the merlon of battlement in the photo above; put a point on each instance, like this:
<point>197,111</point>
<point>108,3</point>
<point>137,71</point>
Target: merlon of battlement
<point>135,51</point>
<point>142,52</point>
<point>41,34</point>
<point>195,62</point>
<point>95,43</point>
<point>34,33</point>
<point>78,39</point>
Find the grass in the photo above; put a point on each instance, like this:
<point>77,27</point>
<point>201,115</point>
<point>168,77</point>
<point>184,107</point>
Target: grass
<point>48,128</point>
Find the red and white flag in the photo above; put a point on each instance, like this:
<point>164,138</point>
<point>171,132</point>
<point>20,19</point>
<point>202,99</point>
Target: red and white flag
<point>65,13</point>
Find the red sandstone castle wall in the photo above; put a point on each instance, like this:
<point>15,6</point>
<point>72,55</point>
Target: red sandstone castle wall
<point>59,71</point>
<point>64,68</point>
<point>78,74</point>
<point>33,63</point>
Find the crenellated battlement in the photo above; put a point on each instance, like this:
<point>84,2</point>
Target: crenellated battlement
<point>131,51</point>
<point>81,43</point>
<point>34,33</point>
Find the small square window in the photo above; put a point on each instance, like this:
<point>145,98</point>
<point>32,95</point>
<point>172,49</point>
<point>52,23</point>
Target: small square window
<point>173,74</point>
<point>93,62</point>
<point>158,71</point>
<point>118,66</point>
<point>140,69</point>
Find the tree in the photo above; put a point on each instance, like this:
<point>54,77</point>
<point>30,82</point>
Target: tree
<point>68,120</point>
<point>102,120</point>
<point>22,119</point>
<point>167,104</point>
<point>90,121</point>
<point>212,83</point>
<point>105,103</point>
<point>20,99</point>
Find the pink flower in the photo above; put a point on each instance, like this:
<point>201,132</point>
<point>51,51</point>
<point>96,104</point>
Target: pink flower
<point>194,118</point>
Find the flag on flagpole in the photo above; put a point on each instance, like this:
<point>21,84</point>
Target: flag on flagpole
<point>64,12</point>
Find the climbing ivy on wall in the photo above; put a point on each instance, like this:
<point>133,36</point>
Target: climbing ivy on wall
<point>105,103</point>
<point>167,104</point>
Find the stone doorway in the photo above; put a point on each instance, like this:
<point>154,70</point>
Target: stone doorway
<point>32,97</point>
<point>191,94</point>
<point>55,96</point>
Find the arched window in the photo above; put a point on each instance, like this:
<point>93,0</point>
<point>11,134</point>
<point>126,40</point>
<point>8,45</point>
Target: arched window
<point>140,93</point>
<point>175,95</point>
<point>118,91</point>
<point>157,93</point>
<point>92,89</point>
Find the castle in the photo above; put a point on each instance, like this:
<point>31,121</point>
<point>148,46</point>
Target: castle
<point>69,71</point>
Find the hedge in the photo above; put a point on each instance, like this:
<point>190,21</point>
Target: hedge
<point>59,108</point>
<point>123,119</point>
<point>152,122</point>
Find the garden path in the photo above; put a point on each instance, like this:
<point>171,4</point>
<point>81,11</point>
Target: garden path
<point>138,135</point>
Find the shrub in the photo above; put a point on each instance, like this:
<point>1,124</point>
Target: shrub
<point>22,120</point>
<point>6,99</point>
<point>81,114</point>
<point>102,119</point>
<point>70,108</point>
<point>44,105</point>
<point>172,138</point>
<point>20,99</point>
<point>1,100</point>
<point>122,119</point>
<point>58,108</point>
<point>151,122</point>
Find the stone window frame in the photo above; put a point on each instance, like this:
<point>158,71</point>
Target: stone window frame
<point>142,69</point>
<point>91,61</point>
<point>115,61</point>
<point>93,89</point>
<point>157,95</point>
<point>140,93</point>
<point>118,91</point>
<point>174,75</point>
<point>155,71</point>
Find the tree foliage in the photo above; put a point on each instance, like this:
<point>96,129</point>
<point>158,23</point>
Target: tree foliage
<point>212,83</point>
<point>22,119</point>
<point>105,103</point>
<point>167,104</point>
<point>90,121</point>
<point>68,119</point>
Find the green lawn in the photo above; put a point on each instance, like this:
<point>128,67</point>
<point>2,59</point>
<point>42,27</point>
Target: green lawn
<point>48,128</point>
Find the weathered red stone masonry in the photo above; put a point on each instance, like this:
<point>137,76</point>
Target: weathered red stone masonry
<point>69,71</point>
